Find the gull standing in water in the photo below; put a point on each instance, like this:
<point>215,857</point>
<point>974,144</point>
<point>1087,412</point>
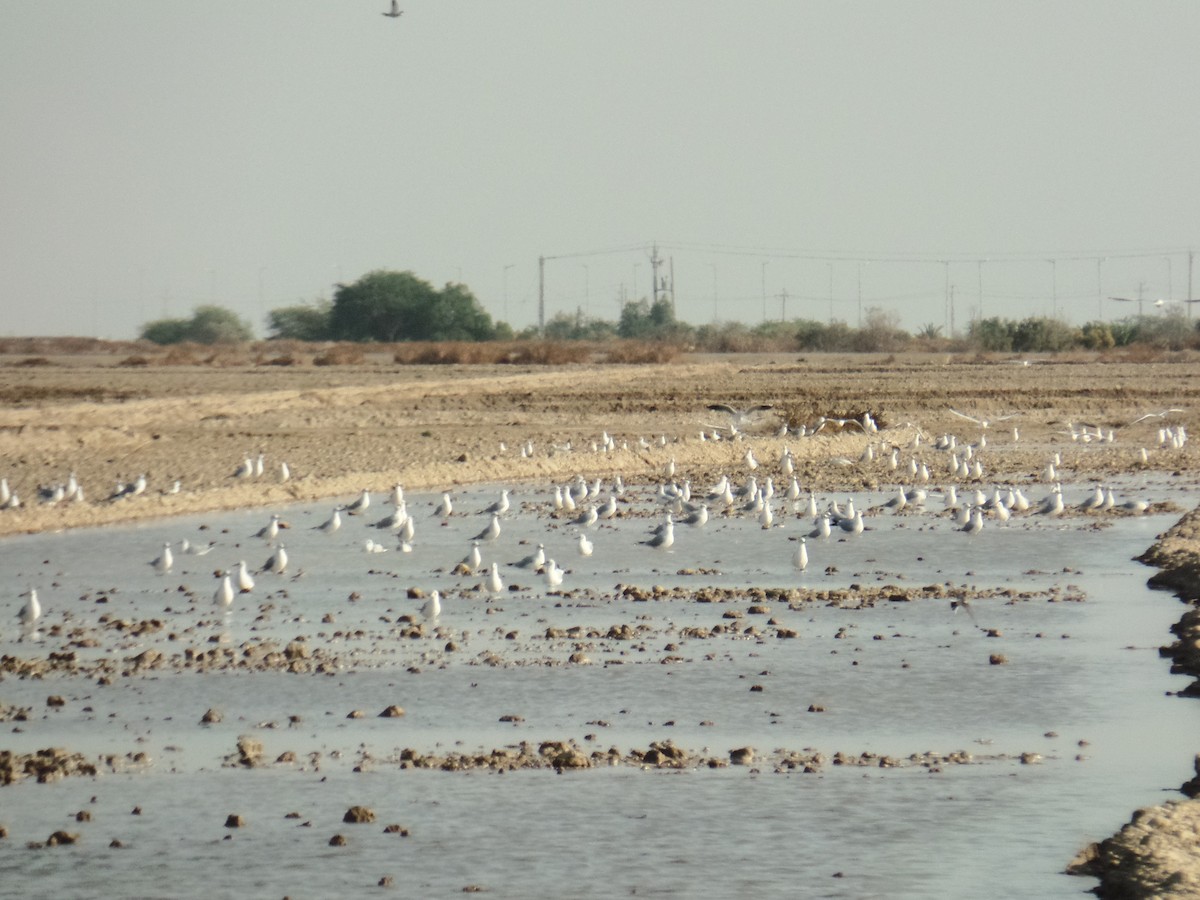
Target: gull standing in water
<point>162,565</point>
<point>270,531</point>
<point>360,505</point>
<point>224,595</point>
<point>245,582</point>
<point>333,523</point>
<point>665,538</point>
<point>501,506</point>
<point>432,608</point>
<point>494,583</point>
<point>491,532</point>
<point>534,560</point>
<point>277,562</point>
<point>800,557</point>
<point>554,575</point>
<point>29,614</point>
<point>474,560</point>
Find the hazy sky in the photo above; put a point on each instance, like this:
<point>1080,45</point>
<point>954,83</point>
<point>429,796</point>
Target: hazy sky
<point>156,155</point>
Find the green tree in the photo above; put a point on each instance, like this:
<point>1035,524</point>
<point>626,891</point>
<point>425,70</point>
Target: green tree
<point>399,306</point>
<point>303,322</point>
<point>166,331</point>
<point>650,321</point>
<point>208,325</point>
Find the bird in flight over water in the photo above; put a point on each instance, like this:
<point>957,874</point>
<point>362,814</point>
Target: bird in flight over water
<point>395,12</point>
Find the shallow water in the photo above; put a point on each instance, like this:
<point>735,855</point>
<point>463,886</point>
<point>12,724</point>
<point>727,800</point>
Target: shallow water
<point>902,677</point>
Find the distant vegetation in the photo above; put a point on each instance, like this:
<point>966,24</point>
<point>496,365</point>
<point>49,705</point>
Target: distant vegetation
<point>398,308</point>
<point>208,325</point>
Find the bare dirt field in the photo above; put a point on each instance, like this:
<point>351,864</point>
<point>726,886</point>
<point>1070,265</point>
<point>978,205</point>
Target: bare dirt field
<point>344,428</point>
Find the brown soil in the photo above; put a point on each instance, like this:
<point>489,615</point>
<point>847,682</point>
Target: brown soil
<point>344,428</point>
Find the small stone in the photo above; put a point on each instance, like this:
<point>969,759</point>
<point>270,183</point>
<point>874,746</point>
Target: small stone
<point>386,881</point>
<point>392,712</point>
<point>396,829</point>
<point>211,717</point>
<point>83,816</point>
<point>359,815</point>
<point>338,840</point>
<point>1028,758</point>
<point>234,821</point>
<point>997,659</point>
<point>356,714</point>
<point>55,700</point>
<point>61,837</point>
<point>115,844</point>
<point>742,756</point>
<point>136,811</point>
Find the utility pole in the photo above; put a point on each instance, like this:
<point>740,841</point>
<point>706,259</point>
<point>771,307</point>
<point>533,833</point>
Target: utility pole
<point>541,296</point>
<point>672,271</point>
<point>655,261</point>
<point>765,263</point>
<point>952,311</point>
<point>783,305</point>
<point>504,274</point>
<point>1100,287</point>
<point>980,264</point>
<point>1053,287</point>
<point>946,308</point>
<point>1191,253</point>
<point>830,292</point>
<point>860,296</point>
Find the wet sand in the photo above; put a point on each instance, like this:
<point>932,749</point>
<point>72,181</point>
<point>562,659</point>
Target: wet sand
<point>342,429</point>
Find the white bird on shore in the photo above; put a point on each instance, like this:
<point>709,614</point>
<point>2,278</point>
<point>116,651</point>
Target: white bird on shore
<point>586,547</point>
<point>162,565</point>
<point>29,613</point>
<point>284,472</point>
<point>397,496</point>
<point>608,508</point>
<point>371,547</point>
<point>800,557</point>
<point>445,508</point>
<point>432,608</point>
<point>224,595</point>
<point>245,470</point>
<point>245,582</point>
<point>491,532</point>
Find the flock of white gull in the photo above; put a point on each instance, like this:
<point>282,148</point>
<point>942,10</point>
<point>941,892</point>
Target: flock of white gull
<point>584,505</point>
